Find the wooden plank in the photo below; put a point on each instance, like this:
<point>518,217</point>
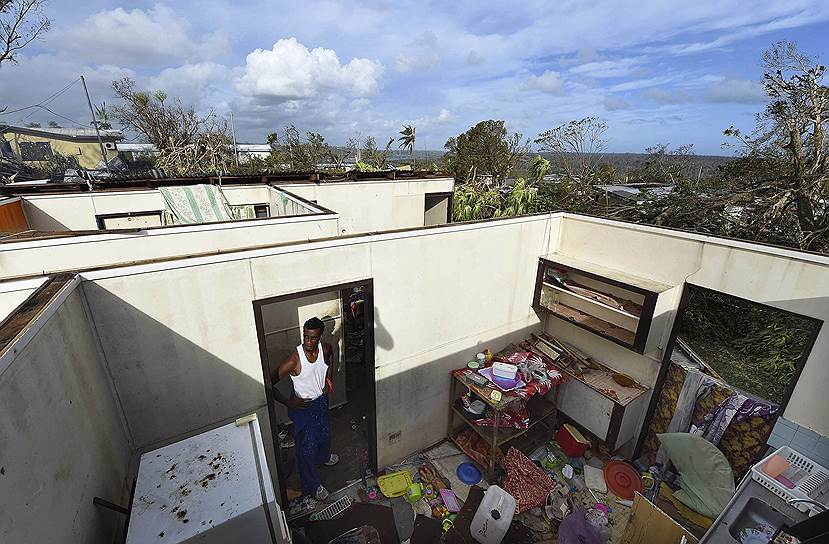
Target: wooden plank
<point>650,525</point>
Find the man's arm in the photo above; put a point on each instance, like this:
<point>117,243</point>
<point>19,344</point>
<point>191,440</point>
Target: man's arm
<point>286,368</point>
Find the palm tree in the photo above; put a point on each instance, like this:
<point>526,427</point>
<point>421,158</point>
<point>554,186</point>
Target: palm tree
<point>407,140</point>
<point>102,115</point>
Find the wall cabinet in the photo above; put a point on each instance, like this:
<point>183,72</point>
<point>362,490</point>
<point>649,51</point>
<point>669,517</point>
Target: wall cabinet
<point>617,306</point>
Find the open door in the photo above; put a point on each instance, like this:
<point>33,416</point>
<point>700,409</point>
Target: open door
<point>279,322</point>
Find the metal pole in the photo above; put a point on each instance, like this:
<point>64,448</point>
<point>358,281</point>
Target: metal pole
<point>233,131</point>
<point>95,124</point>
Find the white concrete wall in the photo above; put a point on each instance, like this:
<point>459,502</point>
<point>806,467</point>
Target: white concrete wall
<point>376,205</point>
<point>181,341</point>
<point>781,278</point>
<point>14,293</point>
<point>62,440</point>
<point>77,211</point>
<point>40,256</point>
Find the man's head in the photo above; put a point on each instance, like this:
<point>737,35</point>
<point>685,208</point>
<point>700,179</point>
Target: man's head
<point>311,333</point>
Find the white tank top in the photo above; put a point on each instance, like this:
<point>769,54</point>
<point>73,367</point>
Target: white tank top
<point>311,380</point>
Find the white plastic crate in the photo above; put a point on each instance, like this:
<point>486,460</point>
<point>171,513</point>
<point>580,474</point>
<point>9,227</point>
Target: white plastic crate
<point>809,487</point>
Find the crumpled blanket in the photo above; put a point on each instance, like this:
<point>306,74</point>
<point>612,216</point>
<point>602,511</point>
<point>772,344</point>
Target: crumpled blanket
<point>525,481</point>
<point>734,409</point>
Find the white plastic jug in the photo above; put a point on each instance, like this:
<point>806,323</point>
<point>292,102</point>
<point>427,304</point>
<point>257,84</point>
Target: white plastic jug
<point>493,517</point>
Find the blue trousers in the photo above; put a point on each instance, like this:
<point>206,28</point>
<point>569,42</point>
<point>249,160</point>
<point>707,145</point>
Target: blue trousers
<point>312,438</point>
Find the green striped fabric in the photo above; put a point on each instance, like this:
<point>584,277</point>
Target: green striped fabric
<point>194,204</point>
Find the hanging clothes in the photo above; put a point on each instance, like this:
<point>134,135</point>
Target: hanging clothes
<point>695,387</point>
<point>734,409</point>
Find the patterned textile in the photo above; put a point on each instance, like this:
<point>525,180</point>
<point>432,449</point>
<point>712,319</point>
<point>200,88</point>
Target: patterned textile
<point>742,443</point>
<point>695,387</point>
<point>243,211</point>
<point>194,204</point>
<point>735,408</point>
<point>664,410</point>
<point>526,482</point>
<point>476,448</point>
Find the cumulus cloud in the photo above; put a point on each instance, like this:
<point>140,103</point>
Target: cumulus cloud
<point>292,71</point>
<point>615,103</point>
<point>548,82</point>
<point>739,91</point>
<point>137,37</point>
<point>668,97</point>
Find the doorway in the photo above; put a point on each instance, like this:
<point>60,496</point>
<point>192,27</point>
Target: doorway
<point>347,310</point>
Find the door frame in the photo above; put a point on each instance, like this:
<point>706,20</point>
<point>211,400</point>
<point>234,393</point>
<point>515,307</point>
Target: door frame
<point>368,342</point>
<point>666,359</point>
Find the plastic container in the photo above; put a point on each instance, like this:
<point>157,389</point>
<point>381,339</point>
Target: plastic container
<point>493,516</point>
<point>809,486</point>
<point>504,370</point>
<point>571,441</point>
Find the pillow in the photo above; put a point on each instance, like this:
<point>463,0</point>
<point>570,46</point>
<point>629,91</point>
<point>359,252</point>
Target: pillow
<point>705,475</point>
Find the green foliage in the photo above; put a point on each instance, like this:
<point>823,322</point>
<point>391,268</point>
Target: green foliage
<point>756,348</point>
<point>407,140</point>
<point>475,201</point>
<point>293,152</point>
<point>484,150</point>
<point>375,158</point>
<point>539,167</point>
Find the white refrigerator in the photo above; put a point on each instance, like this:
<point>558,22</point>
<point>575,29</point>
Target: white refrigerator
<point>211,488</point>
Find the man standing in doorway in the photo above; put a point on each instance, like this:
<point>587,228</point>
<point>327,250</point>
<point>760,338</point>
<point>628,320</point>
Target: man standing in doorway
<point>309,367</point>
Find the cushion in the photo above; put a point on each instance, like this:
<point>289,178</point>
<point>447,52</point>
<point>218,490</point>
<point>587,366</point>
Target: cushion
<point>705,475</point>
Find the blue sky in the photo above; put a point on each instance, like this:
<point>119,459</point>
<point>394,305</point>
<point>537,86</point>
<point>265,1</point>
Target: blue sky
<point>654,71</point>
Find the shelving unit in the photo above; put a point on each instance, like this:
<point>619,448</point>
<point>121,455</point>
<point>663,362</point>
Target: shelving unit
<point>539,408</point>
<point>610,303</point>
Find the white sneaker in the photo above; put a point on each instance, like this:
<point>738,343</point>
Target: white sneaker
<point>321,493</point>
<point>333,460</point>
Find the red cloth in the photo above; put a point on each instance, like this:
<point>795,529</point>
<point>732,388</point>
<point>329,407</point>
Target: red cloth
<point>525,481</point>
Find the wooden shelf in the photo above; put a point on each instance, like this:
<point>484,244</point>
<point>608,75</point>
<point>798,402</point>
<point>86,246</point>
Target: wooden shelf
<point>593,324</point>
<point>538,407</point>
<point>615,316</point>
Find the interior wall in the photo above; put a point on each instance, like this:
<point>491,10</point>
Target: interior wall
<point>436,209</point>
<point>780,278</point>
<point>372,206</point>
<point>62,440</point>
<point>78,252</point>
<point>14,293</point>
<point>12,218</point>
<point>182,342</point>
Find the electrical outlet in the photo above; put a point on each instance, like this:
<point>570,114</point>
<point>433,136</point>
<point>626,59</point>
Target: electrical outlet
<point>394,438</point>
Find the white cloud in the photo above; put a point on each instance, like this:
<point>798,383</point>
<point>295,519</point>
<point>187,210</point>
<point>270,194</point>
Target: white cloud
<point>608,68</point>
<point>137,37</point>
<point>291,71</point>
<point>668,97</point>
<point>419,55</point>
<point>739,91</point>
<point>548,82</point>
<point>615,103</point>
<point>641,83</point>
<point>444,116</point>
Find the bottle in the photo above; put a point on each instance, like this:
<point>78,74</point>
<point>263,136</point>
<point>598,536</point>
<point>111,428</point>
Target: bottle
<point>493,517</point>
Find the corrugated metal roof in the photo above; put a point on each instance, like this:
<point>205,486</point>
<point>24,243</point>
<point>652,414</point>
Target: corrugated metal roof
<point>69,133</point>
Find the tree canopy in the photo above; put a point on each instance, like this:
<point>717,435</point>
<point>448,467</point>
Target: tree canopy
<point>485,150</point>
